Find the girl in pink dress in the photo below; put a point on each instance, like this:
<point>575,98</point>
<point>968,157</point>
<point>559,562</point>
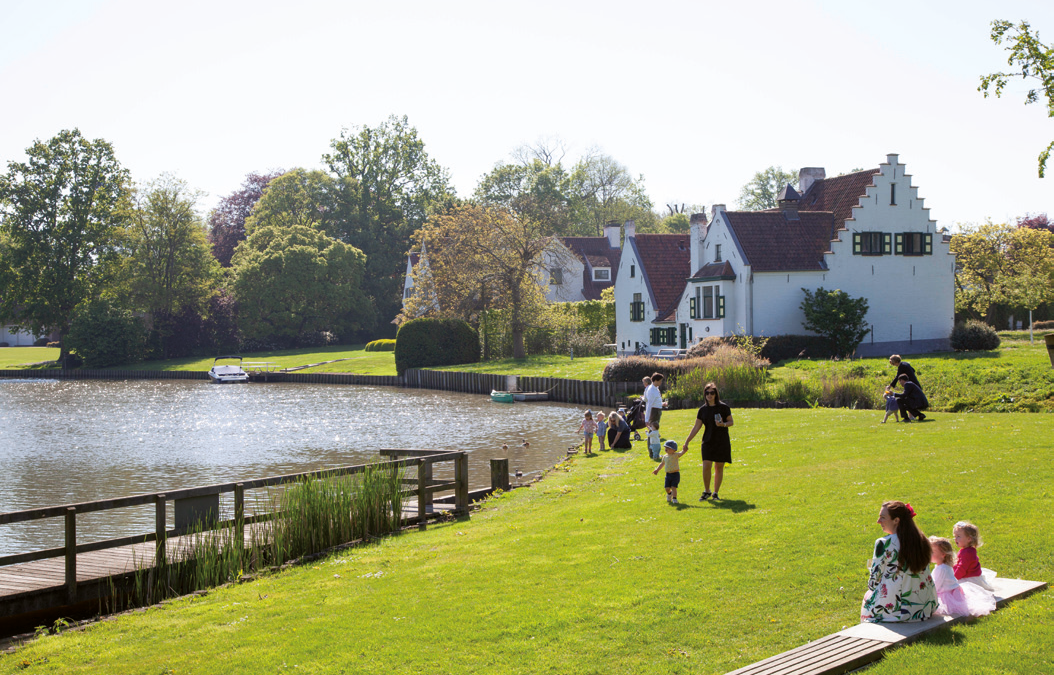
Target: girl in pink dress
<point>967,565</point>
<point>953,598</point>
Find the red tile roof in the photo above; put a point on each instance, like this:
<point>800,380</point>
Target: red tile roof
<point>594,252</point>
<point>838,195</point>
<point>721,270</point>
<point>772,243</point>
<point>666,263</point>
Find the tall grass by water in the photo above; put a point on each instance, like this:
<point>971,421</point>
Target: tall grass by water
<point>307,517</point>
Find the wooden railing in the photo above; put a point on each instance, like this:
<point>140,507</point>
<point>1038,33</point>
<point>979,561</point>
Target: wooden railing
<point>200,500</point>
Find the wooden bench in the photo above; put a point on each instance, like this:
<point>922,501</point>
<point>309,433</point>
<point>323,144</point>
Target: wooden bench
<point>865,643</point>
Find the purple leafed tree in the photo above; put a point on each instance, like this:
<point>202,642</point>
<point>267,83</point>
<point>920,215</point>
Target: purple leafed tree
<point>1038,221</point>
<point>227,220</point>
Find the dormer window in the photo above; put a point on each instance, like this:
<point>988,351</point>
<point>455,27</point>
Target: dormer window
<point>601,274</point>
<point>717,252</point>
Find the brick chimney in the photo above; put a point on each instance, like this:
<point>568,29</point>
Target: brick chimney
<point>809,175</point>
<point>696,234</point>
<point>788,200</point>
<point>611,231</point>
<point>631,229</point>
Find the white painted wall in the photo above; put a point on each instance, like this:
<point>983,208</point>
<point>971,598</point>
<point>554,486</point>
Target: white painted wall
<point>628,333</point>
<point>15,338</point>
<point>558,255</point>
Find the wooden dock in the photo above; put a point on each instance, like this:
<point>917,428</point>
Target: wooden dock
<point>854,647</point>
<point>79,576</point>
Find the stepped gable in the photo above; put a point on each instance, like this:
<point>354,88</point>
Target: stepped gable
<point>772,243</point>
<point>594,252</point>
<point>837,195</point>
<point>667,263</point>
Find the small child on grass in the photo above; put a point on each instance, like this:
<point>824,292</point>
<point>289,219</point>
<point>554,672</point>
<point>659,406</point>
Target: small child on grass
<point>602,428</point>
<point>587,429</point>
<point>654,442</point>
<point>672,461</point>
<point>891,406</point>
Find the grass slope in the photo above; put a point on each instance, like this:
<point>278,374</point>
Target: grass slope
<point>590,571</point>
<point>21,357</point>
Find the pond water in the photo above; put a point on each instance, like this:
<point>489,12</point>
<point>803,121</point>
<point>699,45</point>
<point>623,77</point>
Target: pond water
<point>64,442</point>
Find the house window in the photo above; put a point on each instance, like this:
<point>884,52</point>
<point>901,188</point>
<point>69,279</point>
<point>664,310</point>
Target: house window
<point>602,274</point>
<point>872,243</point>
<point>664,337</point>
<point>708,302</point>
<point>914,243</point>
<point>717,252</point>
<point>556,276</point>
<point>407,292</point>
<point>636,308</point>
<point>892,194</point>
<point>632,271</point>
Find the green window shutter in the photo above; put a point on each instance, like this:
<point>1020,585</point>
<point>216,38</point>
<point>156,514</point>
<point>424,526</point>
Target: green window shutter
<point>898,245</point>
<point>927,244</point>
<point>652,338</point>
<point>720,307</point>
<point>691,307</point>
<point>857,246</point>
<point>887,243</point>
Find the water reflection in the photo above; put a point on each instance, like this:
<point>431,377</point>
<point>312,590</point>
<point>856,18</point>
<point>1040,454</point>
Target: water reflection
<point>65,442</point>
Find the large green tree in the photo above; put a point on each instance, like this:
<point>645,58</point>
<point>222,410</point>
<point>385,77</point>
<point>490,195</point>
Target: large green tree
<point>295,280</point>
<point>299,197</point>
<point>1032,61</point>
<point>763,189</point>
<point>388,185</point>
<point>169,271</point>
<point>603,190</point>
<point>61,213</point>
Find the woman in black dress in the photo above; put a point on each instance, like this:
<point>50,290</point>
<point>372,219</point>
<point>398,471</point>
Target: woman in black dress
<point>716,417</point>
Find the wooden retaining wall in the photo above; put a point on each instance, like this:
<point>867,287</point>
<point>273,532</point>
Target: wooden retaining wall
<point>99,374</point>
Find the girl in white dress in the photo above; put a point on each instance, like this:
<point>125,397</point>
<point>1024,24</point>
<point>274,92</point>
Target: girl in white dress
<point>953,598</point>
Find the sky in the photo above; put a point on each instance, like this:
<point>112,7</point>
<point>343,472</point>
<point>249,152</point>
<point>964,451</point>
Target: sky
<point>694,96</point>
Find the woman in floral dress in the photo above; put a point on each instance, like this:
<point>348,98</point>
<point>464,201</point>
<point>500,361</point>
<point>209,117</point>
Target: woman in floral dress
<point>900,587</point>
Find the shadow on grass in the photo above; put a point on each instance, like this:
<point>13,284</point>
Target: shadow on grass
<point>733,505</point>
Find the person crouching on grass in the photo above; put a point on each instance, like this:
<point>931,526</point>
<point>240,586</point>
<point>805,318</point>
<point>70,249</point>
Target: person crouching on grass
<point>672,461</point>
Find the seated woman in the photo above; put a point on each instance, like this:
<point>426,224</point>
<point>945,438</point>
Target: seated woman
<point>900,587</point>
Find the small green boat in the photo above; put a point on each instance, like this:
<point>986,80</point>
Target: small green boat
<point>501,396</point>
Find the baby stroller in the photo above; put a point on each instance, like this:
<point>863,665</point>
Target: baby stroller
<point>635,417</point>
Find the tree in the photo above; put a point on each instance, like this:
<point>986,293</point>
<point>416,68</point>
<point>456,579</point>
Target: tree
<point>169,272</point>
<point>1030,258</point>
<point>1036,222</point>
<point>294,280</point>
<point>535,190</point>
<point>479,258</point>
<point>61,212</point>
<point>388,185</point>
<point>762,190</point>
<point>1033,61</point>
<point>836,316</point>
<point>227,220</point>
<point>299,197</point>
<point>103,335</point>
<point>602,190</point>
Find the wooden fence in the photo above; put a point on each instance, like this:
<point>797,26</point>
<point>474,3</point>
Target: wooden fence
<point>196,502</point>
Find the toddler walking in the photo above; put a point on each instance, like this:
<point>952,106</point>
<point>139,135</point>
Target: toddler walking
<point>588,428</point>
<point>953,598</point>
<point>654,447</point>
<point>672,461</point>
<point>602,429</point>
<point>891,406</point>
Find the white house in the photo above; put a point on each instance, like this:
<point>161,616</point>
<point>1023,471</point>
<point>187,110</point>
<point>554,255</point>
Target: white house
<point>15,338</point>
<point>866,233</point>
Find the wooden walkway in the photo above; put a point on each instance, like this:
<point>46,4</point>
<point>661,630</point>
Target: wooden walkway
<point>865,643</point>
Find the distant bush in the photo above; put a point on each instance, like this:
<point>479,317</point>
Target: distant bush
<point>706,346</point>
<point>427,342</point>
<point>381,346</point>
<point>1043,325</point>
<point>783,347</point>
<point>315,338</point>
<point>633,368</point>
<point>4,344</point>
<point>103,335</point>
<point>41,342</point>
<point>973,336</point>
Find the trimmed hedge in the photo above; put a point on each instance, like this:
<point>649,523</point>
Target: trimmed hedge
<point>783,347</point>
<point>428,342</point>
<point>1043,325</point>
<point>381,346</point>
<point>973,336</point>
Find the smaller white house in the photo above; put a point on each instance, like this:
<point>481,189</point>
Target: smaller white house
<point>866,233</point>
<point>16,338</point>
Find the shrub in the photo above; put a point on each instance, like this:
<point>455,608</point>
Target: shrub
<point>1043,325</point>
<point>426,342</point>
<point>315,338</point>
<point>104,336</point>
<point>783,347</point>
<point>381,346</point>
<point>41,342</point>
<point>735,381</point>
<point>633,368</point>
<point>973,336</point>
<point>706,346</point>
<point>841,391</point>
<point>795,390</point>
<point>837,316</point>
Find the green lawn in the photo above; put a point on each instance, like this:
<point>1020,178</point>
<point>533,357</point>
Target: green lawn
<point>590,571</point>
<point>21,357</point>
<point>357,360</point>
<point>588,368</point>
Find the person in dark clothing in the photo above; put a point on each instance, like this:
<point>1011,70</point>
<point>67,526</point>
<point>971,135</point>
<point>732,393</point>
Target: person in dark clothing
<point>903,368</point>
<point>618,432</point>
<point>911,401</point>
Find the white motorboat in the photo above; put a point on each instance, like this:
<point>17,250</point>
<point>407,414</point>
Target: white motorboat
<point>227,372</point>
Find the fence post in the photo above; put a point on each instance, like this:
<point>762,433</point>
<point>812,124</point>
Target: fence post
<point>421,513</point>
<point>71,554</point>
<point>160,530</point>
<point>239,516</point>
<point>461,478</point>
<point>499,474</point>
